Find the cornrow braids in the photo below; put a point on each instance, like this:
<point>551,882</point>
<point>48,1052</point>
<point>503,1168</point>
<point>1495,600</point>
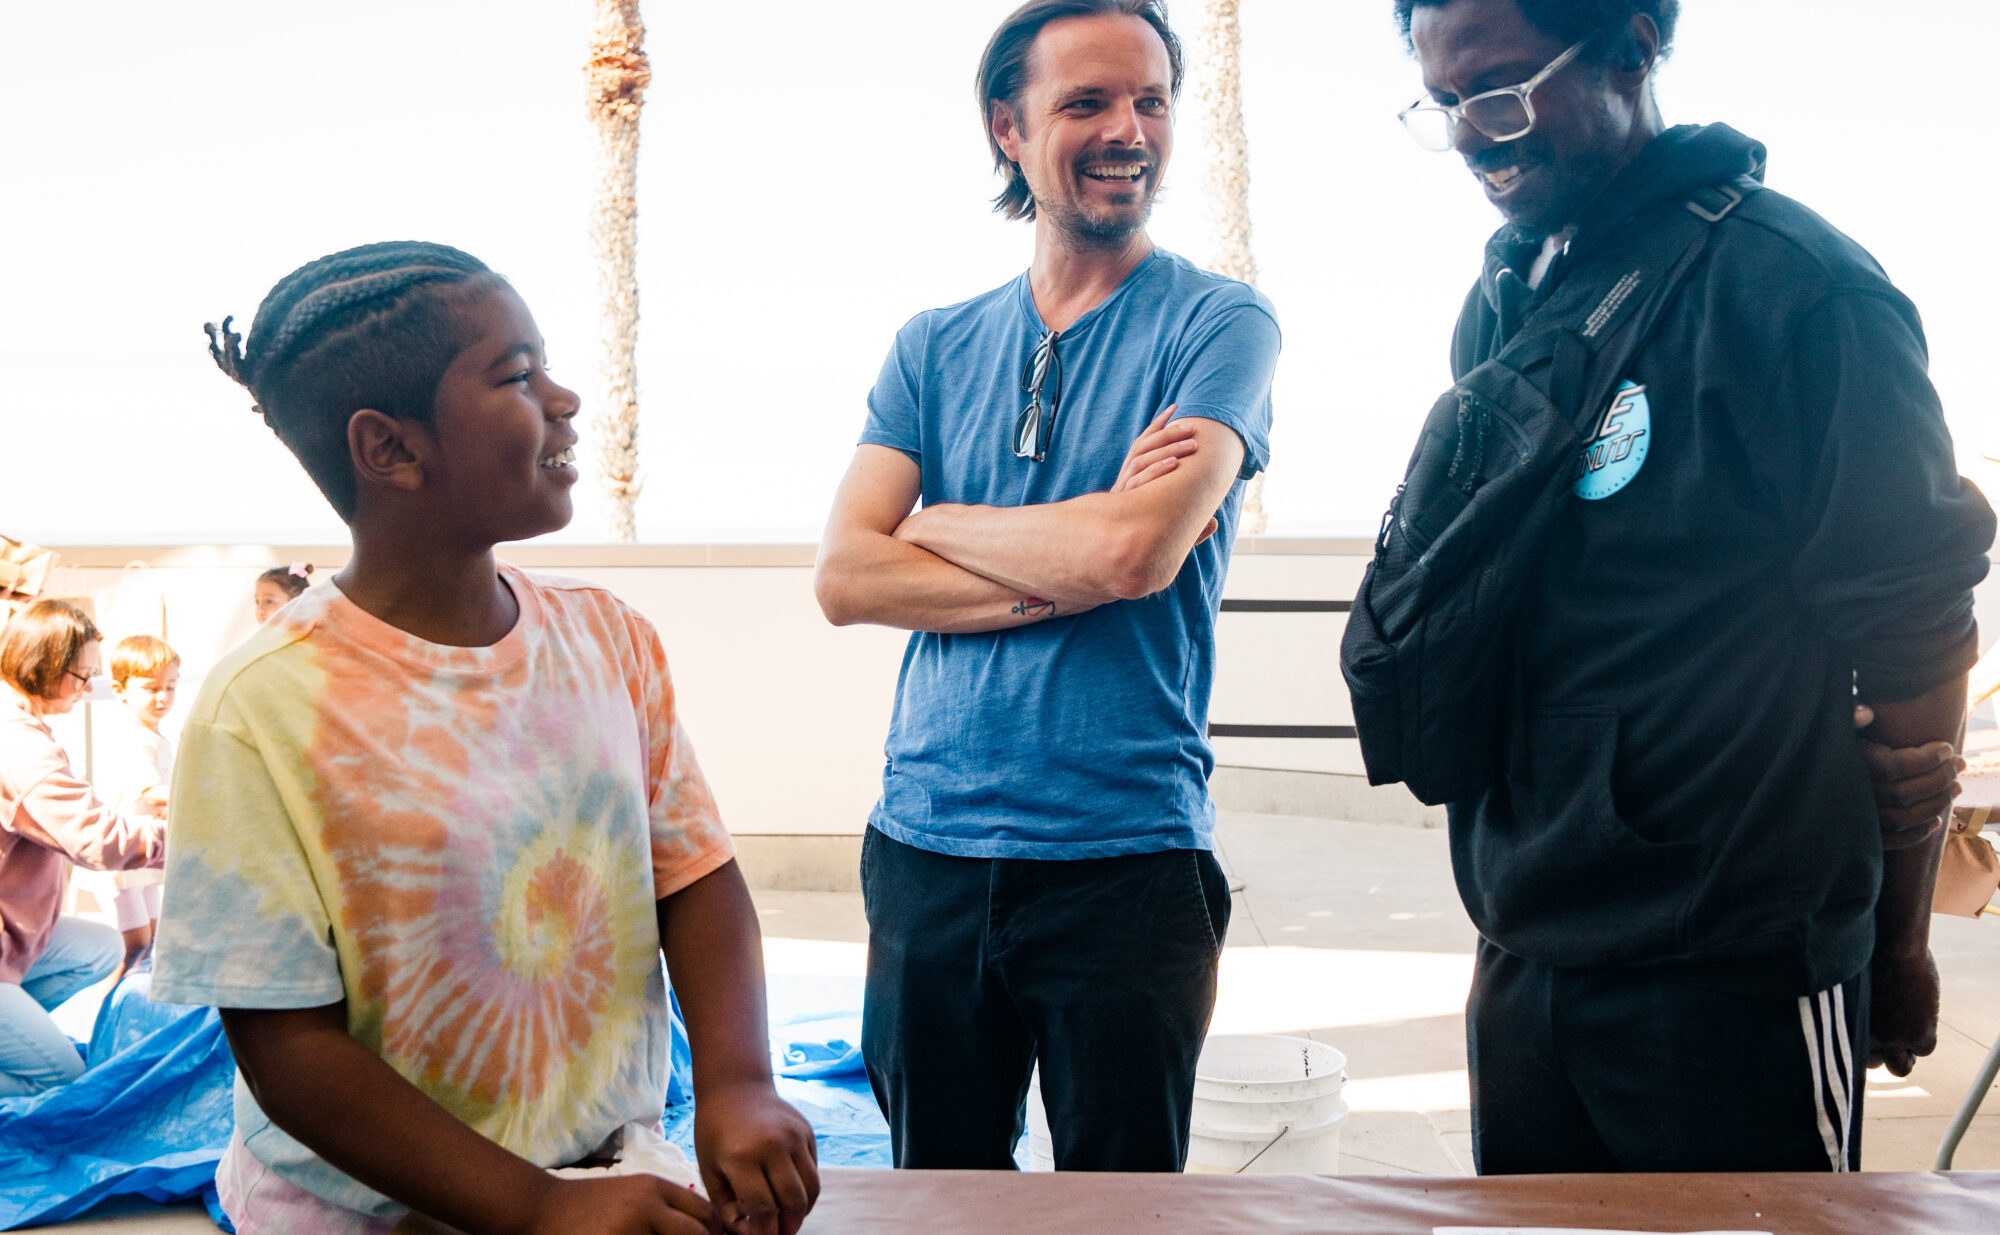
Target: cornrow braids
<point>227,347</point>
<point>368,327</point>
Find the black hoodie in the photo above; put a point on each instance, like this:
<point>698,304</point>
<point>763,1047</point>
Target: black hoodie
<point>1769,517</point>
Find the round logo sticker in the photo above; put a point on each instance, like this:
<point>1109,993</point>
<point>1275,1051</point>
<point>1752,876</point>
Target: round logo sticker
<point>1615,453</point>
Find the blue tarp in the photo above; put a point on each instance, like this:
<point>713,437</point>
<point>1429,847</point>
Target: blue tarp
<point>149,1117</point>
<point>151,1114</point>
<point>816,1049</point>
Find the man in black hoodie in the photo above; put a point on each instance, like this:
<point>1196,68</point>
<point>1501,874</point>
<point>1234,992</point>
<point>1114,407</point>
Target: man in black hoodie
<point>1698,921</point>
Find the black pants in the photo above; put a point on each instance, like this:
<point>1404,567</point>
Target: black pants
<point>1628,1070</point>
<point>1103,969</point>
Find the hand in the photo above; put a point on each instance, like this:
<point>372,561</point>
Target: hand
<point>1902,1011</point>
<point>153,801</point>
<point>911,527</point>
<point>1914,785</point>
<point>621,1205</point>
<point>1156,451</point>
<point>758,1158</point>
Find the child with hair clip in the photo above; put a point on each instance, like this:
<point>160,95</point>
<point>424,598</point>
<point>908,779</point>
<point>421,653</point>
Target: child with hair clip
<point>435,822</point>
<point>278,587</point>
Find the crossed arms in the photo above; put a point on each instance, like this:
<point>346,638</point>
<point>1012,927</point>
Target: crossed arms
<point>959,569</point>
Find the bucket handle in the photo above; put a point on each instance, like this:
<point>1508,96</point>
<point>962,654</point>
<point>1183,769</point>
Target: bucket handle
<point>1267,1146</point>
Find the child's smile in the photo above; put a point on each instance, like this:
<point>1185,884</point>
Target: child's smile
<point>507,456</point>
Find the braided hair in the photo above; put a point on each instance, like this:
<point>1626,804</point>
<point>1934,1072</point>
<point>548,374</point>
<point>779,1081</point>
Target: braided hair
<point>369,327</point>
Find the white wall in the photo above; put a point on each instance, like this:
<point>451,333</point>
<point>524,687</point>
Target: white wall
<point>787,713</point>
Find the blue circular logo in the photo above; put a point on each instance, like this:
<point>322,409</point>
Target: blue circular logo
<point>1617,450</point>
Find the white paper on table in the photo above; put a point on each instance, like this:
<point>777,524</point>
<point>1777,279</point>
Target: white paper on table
<point>1568,1230</point>
<point>639,1149</point>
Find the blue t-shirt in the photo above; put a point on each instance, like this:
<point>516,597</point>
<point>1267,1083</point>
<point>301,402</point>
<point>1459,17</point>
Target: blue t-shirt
<point>1085,736</point>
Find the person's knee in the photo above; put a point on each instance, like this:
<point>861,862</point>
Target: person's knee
<point>34,1055</point>
<point>61,1068</point>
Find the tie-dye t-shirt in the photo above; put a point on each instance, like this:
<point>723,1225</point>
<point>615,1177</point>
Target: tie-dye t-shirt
<point>465,844</point>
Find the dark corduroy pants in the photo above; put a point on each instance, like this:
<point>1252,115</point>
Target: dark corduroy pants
<point>1101,969</point>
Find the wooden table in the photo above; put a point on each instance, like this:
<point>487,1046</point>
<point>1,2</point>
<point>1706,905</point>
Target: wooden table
<point>1006,1203</point>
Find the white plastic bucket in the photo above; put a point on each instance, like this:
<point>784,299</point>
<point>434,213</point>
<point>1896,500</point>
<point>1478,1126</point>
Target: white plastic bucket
<point>1041,1149</point>
<point>1267,1105</point>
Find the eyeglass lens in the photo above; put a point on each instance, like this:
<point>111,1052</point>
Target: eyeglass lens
<point>1036,423</point>
<point>1501,117</point>
<point>1431,126</point>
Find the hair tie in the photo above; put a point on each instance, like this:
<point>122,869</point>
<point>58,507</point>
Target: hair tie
<point>302,569</point>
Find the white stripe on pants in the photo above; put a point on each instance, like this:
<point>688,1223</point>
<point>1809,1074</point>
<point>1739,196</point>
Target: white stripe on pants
<point>1823,1018</point>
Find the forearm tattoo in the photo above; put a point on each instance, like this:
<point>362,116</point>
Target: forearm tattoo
<point>1036,607</point>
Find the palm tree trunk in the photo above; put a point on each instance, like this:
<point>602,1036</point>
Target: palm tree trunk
<point>615,78</point>
<point>1218,46</point>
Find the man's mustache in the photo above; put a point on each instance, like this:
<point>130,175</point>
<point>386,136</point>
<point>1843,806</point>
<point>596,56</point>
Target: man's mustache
<point>1510,154</point>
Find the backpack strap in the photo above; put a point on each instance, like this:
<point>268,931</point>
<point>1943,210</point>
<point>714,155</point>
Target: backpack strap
<point>1423,653</point>
<point>1712,203</point>
<point>1597,321</point>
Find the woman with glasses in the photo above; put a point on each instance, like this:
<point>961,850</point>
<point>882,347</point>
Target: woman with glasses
<point>49,818</point>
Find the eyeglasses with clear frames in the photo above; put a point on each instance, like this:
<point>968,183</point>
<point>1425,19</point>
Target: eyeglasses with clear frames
<point>1503,115</point>
<point>1041,378</point>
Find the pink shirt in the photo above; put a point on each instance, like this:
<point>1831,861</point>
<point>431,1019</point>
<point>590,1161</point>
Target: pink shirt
<point>49,816</point>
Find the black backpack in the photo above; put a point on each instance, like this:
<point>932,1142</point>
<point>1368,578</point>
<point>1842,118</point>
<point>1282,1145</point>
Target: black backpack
<point>1427,649</point>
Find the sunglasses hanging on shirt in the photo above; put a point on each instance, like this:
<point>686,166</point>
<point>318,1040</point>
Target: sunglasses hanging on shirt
<point>1041,380</point>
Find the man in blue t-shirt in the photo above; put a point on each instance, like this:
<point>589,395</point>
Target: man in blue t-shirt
<point>1039,872</point>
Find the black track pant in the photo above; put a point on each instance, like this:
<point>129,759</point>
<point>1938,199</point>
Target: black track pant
<point>1627,1070</point>
<point>1103,969</point>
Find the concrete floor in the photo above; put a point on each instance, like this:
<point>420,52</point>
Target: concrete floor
<point>1378,908</point>
<point>1353,934</point>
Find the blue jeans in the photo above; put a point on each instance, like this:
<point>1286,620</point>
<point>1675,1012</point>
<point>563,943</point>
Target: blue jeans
<point>34,1054</point>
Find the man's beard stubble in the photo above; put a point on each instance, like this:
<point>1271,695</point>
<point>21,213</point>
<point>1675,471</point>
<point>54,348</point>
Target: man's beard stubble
<point>1080,232</point>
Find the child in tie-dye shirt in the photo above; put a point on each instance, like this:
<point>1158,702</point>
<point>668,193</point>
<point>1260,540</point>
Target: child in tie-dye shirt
<point>434,823</point>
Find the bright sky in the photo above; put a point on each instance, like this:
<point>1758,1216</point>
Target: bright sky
<point>813,173</point>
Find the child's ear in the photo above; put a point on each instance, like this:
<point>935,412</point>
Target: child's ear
<point>386,452</point>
